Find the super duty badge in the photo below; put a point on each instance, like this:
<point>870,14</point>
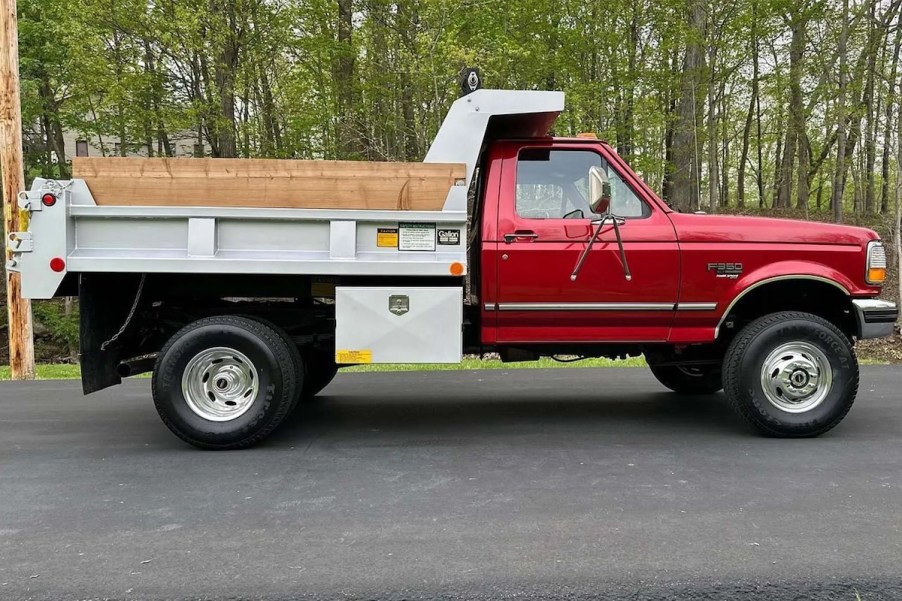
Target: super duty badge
<point>726,270</point>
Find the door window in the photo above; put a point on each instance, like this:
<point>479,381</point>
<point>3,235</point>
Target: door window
<point>554,184</point>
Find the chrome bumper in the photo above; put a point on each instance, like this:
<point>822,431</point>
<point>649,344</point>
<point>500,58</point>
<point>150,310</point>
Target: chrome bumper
<point>876,318</point>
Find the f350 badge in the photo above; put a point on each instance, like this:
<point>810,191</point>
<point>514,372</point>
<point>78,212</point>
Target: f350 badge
<point>726,270</point>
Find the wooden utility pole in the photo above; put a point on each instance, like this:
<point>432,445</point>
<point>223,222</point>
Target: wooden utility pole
<point>21,343</point>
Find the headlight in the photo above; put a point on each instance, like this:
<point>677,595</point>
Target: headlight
<point>876,268</point>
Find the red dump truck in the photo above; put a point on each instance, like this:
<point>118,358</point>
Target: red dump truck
<point>245,285</point>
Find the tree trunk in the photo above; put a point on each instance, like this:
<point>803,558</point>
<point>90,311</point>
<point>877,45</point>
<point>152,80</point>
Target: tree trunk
<point>713,174</point>
<point>224,71</point>
<point>804,183</point>
<point>669,131</point>
<point>796,118</point>
<point>54,129</point>
<point>625,132</point>
<point>409,22</point>
<point>897,225</point>
<point>749,118</point>
<point>869,142</point>
<point>685,178</point>
<point>757,96</point>
<point>888,124</point>
<point>725,147</point>
<point>777,163</point>
<point>854,117</point>
<point>343,73</point>
<point>147,117</point>
<point>744,155</point>
<point>839,175</point>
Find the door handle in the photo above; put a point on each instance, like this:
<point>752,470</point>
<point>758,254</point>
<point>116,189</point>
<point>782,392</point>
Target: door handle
<point>520,234</point>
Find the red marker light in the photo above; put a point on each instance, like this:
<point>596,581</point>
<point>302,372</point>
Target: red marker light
<point>48,199</point>
<point>57,264</point>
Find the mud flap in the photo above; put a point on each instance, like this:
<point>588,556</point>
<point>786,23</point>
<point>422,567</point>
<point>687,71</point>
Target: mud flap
<point>104,302</point>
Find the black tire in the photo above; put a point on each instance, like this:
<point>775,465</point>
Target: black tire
<point>320,371</point>
<point>811,339</point>
<point>695,379</point>
<point>277,381</point>
<point>298,361</point>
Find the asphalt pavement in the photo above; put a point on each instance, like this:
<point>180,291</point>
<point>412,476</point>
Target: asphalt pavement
<point>545,484</point>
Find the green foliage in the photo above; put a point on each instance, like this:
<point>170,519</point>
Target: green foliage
<point>266,77</point>
<point>57,323</point>
<point>273,78</point>
<point>296,79</point>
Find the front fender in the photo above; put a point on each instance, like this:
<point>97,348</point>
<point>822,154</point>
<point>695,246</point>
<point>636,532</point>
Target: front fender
<point>785,270</point>
<point>782,271</point>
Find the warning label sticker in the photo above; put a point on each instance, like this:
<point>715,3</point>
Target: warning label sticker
<point>387,237</point>
<point>416,236</point>
<point>346,357</point>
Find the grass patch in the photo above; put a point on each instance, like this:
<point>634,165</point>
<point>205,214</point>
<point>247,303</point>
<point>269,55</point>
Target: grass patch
<point>67,372</point>
<point>870,361</point>
<point>48,372</point>
<point>73,372</point>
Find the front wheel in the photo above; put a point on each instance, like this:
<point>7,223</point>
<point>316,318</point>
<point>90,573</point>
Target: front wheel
<point>791,374</point>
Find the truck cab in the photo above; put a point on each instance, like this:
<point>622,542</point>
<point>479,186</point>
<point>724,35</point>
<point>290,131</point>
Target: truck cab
<point>663,278</point>
<point>535,246</point>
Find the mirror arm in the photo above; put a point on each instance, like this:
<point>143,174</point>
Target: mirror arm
<point>582,258</point>
<point>626,267</point>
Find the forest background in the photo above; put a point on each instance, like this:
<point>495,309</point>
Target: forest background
<point>778,107</point>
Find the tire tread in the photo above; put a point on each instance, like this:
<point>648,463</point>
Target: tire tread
<point>732,374</point>
<point>272,339</point>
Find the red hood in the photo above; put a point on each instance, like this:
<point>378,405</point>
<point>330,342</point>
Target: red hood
<point>691,227</point>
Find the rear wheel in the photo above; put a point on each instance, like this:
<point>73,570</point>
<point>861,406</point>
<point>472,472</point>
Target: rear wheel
<point>225,382</point>
<point>791,374</point>
<point>689,379</point>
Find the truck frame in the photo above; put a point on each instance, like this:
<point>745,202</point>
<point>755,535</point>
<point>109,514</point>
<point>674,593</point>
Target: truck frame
<point>242,312</point>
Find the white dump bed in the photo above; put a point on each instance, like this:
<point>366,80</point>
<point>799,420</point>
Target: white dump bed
<point>76,234</point>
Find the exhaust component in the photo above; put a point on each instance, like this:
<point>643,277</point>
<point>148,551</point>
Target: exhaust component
<point>135,366</point>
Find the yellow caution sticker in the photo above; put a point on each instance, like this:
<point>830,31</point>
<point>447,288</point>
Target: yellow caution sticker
<point>387,237</point>
<point>353,357</point>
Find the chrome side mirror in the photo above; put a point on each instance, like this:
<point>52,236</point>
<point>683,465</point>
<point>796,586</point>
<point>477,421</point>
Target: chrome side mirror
<point>599,191</point>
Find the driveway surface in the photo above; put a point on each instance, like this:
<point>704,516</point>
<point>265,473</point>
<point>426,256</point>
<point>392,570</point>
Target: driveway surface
<point>550,484</point>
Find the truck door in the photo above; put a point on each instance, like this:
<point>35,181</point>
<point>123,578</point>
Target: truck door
<point>544,225</point>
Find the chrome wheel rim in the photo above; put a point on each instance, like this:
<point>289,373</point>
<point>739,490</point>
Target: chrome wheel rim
<point>796,377</point>
<point>220,384</point>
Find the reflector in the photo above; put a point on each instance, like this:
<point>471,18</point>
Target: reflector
<point>57,264</point>
<point>876,275</point>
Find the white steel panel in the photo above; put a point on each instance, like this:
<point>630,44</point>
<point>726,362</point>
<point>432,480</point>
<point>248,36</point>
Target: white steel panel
<point>430,331</point>
<point>88,209</point>
<point>201,237</point>
<point>286,236</point>
<point>116,236</point>
<point>463,132</point>
<point>343,240</point>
